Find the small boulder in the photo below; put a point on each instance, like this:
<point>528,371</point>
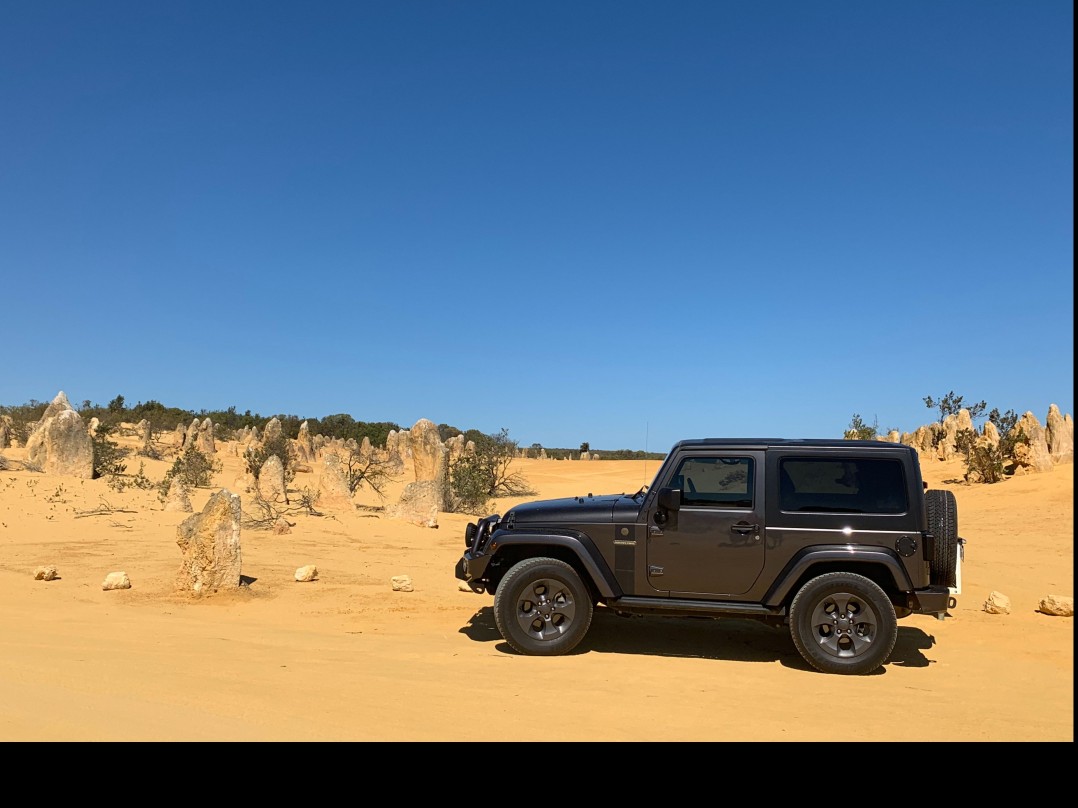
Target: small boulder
<point>116,580</point>
<point>997,603</point>
<point>307,573</point>
<point>45,573</point>
<point>1057,605</point>
<point>402,583</point>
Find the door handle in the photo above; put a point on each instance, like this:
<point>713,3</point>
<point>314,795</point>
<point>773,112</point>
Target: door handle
<point>744,529</point>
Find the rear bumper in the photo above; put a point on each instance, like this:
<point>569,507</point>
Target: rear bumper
<point>930,599</point>
<point>937,599</point>
<point>934,600</point>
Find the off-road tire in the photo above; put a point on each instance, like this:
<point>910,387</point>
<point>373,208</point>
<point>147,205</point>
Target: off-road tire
<point>843,623</point>
<point>542,607</point>
<point>942,509</point>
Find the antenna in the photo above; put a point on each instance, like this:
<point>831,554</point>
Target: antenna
<point>647,426</point>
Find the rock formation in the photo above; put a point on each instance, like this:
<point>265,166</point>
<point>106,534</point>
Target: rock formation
<point>271,483</point>
<point>423,499</point>
<point>190,438</point>
<point>145,435</point>
<point>60,442</point>
<point>333,490</point>
<point>204,438</point>
<point>429,455</point>
<point>1047,445</point>
<point>303,444</point>
<point>1059,433</point>
<point>210,542</point>
<point>272,431</point>
<point>56,406</point>
<point>455,446</point>
<point>1032,456</point>
<point>419,503</point>
<point>178,499</point>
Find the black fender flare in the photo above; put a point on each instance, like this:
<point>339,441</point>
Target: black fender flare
<point>579,544</point>
<point>829,553</point>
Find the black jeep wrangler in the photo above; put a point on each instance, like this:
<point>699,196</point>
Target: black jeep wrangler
<point>836,539</point>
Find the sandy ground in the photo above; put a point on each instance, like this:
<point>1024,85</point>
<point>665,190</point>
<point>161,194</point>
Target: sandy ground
<point>346,658</point>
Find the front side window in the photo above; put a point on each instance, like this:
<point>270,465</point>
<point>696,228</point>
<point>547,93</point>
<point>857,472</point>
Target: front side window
<point>720,482</point>
<point>842,485</point>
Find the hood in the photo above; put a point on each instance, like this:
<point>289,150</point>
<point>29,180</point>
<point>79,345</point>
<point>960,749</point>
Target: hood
<point>589,508</point>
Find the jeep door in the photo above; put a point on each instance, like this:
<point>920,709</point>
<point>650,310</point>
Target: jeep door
<point>711,543</point>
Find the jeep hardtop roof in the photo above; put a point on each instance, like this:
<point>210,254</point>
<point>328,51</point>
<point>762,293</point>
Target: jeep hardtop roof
<point>764,443</point>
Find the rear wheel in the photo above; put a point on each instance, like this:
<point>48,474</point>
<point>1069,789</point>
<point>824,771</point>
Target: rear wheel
<point>942,509</point>
<point>542,607</point>
<point>843,623</point>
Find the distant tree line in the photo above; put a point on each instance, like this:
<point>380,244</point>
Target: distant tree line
<point>165,419</point>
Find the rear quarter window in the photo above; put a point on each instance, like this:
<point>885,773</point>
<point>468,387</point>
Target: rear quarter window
<point>842,485</point>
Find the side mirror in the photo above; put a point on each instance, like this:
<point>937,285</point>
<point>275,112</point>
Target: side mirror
<point>670,498</point>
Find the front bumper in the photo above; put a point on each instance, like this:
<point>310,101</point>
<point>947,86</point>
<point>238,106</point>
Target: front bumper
<point>472,566</point>
<point>461,571</point>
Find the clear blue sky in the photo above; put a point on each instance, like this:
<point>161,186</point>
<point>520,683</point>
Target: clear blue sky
<point>617,222</point>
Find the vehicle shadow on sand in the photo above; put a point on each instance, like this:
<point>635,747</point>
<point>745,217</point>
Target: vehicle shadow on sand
<point>729,639</point>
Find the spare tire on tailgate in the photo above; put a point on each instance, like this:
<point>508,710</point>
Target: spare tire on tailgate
<point>942,511</point>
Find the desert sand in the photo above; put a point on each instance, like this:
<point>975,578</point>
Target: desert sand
<point>347,658</point>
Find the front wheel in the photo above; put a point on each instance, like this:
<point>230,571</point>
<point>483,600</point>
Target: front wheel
<point>843,623</point>
<point>542,607</point>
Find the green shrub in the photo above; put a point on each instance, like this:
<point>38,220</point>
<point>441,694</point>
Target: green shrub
<point>193,468</point>
<point>140,480</point>
<point>107,453</point>
<point>859,430</point>
<point>23,417</point>
<point>469,483</point>
<point>476,478</point>
<point>951,404</point>
<point>368,469</point>
<point>987,463</point>
<point>280,446</point>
